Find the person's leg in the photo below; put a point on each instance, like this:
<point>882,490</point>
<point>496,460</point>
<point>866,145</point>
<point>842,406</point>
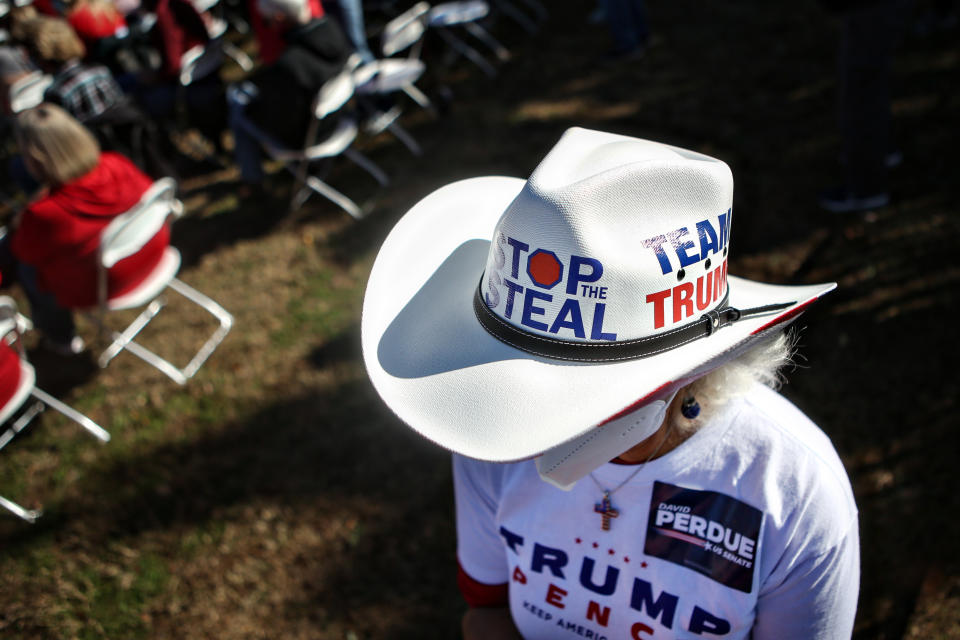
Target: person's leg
<point>55,322</point>
<point>246,148</point>
<point>351,16</point>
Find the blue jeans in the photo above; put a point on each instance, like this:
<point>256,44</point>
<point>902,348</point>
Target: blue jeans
<point>351,17</point>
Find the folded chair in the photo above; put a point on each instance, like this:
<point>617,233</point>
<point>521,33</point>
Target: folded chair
<point>405,33</point>
<point>331,98</point>
<point>124,237</point>
<point>382,78</point>
<point>18,386</point>
<point>466,14</point>
<point>27,92</point>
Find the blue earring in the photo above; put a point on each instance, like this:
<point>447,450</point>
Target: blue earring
<point>690,409</point>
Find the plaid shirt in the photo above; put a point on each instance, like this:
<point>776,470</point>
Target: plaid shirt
<point>86,91</point>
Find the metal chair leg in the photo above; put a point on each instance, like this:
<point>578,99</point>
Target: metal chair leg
<point>223,316</point>
<point>484,36</point>
<point>124,341</point>
<point>121,340</point>
<point>335,196</point>
<point>404,136</point>
<point>419,97</point>
<point>461,47</point>
<point>364,162</point>
<point>518,16</point>
<point>92,427</point>
<point>30,515</point>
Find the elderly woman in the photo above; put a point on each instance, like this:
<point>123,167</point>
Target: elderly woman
<point>621,468</point>
<point>56,236</point>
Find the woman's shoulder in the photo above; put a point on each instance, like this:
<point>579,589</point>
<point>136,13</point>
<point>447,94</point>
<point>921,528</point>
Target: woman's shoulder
<point>786,464</point>
<point>769,417</point>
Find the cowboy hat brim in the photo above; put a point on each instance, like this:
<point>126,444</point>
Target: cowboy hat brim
<point>439,370</point>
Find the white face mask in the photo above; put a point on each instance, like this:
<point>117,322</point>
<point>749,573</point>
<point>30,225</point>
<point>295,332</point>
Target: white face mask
<point>563,465</point>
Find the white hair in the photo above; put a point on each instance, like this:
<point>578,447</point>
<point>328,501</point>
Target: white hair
<point>295,10</point>
<point>761,364</point>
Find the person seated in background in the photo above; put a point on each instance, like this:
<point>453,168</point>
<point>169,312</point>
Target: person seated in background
<point>268,35</point>
<point>86,91</point>
<point>91,94</point>
<point>95,21</point>
<point>55,238</point>
<point>179,29</point>
<point>277,99</point>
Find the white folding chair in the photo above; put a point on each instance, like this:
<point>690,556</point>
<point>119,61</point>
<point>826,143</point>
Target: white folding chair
<point>384,77</point>
<point>332,97</point>
<point>466,14</point>
<point>199,62</point>
<point>27,92</point>
<point>405,33</point>
<point>12,325</point>
<point>126,235</point>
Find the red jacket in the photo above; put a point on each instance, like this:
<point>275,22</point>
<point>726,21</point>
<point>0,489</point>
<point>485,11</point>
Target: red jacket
<point>9,372</point>
<point>93,25</point>
<point>269,36</point>
<point>59,233</point>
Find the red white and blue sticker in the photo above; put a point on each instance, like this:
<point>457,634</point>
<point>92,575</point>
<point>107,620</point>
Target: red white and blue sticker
<point>708,532</point>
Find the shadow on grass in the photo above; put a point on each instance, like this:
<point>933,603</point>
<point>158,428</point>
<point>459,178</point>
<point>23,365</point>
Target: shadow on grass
<point>323,453</point>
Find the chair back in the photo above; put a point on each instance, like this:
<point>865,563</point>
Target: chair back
<point>200,61</point>
<point>129,232</point>
<point>8,318</point>
<point>28,91</point>
<point>453,13</point>
<point>405,30</point>
<point>334,93</point>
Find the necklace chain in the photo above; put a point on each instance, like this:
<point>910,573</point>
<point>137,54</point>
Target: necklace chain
<point>609,492</point>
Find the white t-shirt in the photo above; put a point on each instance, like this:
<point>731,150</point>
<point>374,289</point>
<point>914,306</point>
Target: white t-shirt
<point>747,527</point>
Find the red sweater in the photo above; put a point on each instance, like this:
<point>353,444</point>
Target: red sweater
<point>59,233</point>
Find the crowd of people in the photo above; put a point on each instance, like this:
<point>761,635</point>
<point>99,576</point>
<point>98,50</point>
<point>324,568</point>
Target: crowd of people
<point>94,93</point>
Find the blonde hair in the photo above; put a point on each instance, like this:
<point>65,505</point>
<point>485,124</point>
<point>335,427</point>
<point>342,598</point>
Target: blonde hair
<point>21,21</point>
<point>54,40</point>
<point>55,147</point>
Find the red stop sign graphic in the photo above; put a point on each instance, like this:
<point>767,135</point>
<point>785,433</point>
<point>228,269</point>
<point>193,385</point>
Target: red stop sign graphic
<point>544,268</point>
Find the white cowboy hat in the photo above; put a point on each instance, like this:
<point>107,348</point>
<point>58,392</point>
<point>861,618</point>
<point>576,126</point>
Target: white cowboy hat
<point>504,318</point>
